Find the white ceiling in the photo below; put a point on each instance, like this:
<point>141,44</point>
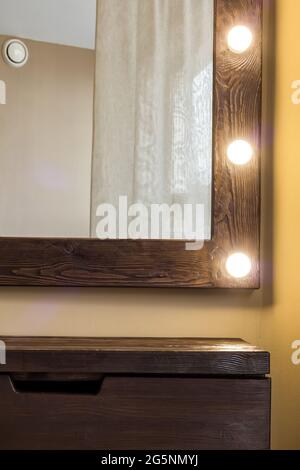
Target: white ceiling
<point>68,22</point>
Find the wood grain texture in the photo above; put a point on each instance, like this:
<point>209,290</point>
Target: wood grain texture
<point>236,213</point>
<point>140,413</point>
<point>134,356</point>
<point>237,115</point>
<point>134,393</point>
<point>199,345</point>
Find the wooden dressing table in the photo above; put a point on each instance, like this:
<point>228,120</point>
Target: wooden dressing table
<point>139,393</point>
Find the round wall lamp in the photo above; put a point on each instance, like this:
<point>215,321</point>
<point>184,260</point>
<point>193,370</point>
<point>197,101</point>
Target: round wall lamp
<point>238,265</point>
<point>239,152</point>
<point>239,39</point>
<point>15,53</point>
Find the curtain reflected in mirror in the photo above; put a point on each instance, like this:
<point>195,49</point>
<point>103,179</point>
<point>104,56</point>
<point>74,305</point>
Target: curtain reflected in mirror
<point>153,106</point>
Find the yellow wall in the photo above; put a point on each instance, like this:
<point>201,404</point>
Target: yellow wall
<point>280,323</point>
<point>273,324</point>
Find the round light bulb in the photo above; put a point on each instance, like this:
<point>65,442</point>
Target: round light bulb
<point>239,39</point>
<point>240,152</point>
<point>238,265</point>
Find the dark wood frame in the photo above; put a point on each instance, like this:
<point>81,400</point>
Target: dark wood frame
<point>170,356</point>
<point>236,202</point>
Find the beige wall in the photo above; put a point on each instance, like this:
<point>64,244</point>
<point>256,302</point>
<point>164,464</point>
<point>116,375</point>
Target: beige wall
<point>46,142</point>
<point>256,317</point>
<point>280,322</point>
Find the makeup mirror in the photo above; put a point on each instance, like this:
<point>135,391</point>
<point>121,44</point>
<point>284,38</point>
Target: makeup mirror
<point>130,142</point>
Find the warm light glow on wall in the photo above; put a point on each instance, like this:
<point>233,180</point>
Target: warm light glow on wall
<point>239,39</point>
<point>240,152</point>
<point>238,265</point>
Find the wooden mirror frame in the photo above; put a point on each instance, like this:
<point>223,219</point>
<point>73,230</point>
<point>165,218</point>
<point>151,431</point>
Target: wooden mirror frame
<point>236,197</point>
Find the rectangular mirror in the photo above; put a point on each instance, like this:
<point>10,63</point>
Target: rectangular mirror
<point>107,136</point>
<point>130,141</point>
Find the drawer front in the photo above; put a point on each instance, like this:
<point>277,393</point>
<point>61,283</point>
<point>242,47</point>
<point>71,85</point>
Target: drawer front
<point>128,413</point>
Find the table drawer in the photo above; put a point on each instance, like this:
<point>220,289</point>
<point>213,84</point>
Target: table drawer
<point>134,412</point>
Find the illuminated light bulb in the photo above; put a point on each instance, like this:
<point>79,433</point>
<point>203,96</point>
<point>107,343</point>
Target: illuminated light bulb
<point>240,152</point>
<point>238,265</point>
<point>239,39</point>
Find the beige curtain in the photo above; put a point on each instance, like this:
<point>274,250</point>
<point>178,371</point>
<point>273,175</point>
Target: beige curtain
<point>153,103</point>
